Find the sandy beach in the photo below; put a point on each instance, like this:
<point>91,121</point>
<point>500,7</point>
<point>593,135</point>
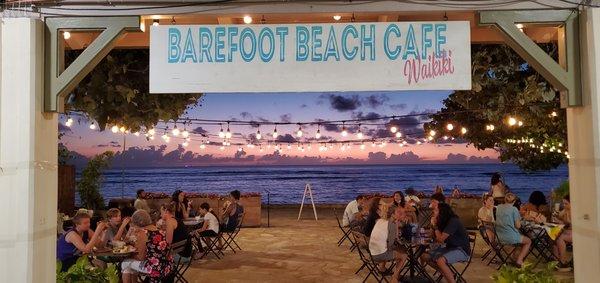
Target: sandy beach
<point>302,251</point>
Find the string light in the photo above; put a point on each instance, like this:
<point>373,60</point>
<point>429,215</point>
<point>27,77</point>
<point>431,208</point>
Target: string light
<point>185,144</point>
<point>463,130</point>
<point>490,127</point>
<point>337,17</point>
<point>69,122</point>
<point>393,129</point>
<point>122,129</point>
<point>344,131</point>
<point>66,35</point>
<point>175,131</point>
<point>202,146</point>
<point>362,146</point>
<point>114,129</point>
<point>185,133</point>
<point>156,22</point>
<point>275,134</point>
<point>221,133</point>
<point>247,19</point>
<point>137,134</point>
<point>299,132</point>
<point>359,135</point>
<point>151,132</point>
<point>228,133</point>
<point>92,126</point>
<point>398,134</point>
<point>512,121</point>
<point>449,127</point>
<point>432,133</point>
<point>553,114</point>
<point>318,134</point>
<point>258,135</point>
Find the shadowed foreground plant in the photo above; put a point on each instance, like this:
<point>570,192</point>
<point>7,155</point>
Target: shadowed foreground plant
<point>526,274</point>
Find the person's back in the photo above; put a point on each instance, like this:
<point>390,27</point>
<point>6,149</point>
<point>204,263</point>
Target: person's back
<point>379,237</point>
<point>506,217</point>
<point>350,212</point>
<point>234,218</point>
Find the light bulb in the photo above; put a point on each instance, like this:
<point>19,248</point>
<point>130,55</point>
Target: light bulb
<point>520,123</point>
<point>318,134</point>
<point>299,132</point>
<point>151,132</point>
<point>228,134</point>
<point>445,138</point>
<point>419,142</point>
<point>155,22</point>
<point>275,134</point>
<point>92,126</point>
<point>401,145</point>
<point>202,146</point>
<point>240,149</point>
<point>258,135</point>
<point>168,139</point>
<point>122,129</point>
<point>449,127</point>
<point>185,144</point>
<point>289,146</point>
<point>137,134</point>
<point>114,129</point>
<point>247,19</point>
<point>165,136</point>
<point>66,35</point>
<point>337,17</point>
<point>463,130</point>
<point>151,138</point>
<point>185,134</point>
<point>432,133</point>
<point>393,129</point>
<point>70,121</point>
<point>175,131</point>
<point>398,134</point>
<point>222,148</point>
<point>359,135</point>
<point>373,144</point>
<point>490,127</point>
<point>512,121</point>
<point>221,134</point>
<point>362,146</point>
<point>553,114</point>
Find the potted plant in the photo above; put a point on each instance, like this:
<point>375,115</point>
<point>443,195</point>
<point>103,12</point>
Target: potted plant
<point>526,274</point>
<point>84,271</point>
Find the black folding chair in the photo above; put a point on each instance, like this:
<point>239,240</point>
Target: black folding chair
<point>180,263</point>
<point>541,244</point>
<point>211,245</point>
<point>362,246</point>
<point>458,275</point>
<point>345,232</point>
<point>502,252</point>
<point>229,236</point>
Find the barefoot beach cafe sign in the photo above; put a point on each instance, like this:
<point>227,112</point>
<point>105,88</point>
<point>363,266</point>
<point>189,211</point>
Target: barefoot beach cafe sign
<point>310,57</point>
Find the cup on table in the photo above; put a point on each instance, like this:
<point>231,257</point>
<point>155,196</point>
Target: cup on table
<point>117,244</point>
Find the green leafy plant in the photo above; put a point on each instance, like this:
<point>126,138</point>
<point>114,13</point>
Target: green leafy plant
<point>525,274</point>
<point>83,271</point>
<point>505,86</point>
<point>116,92</point>
<point>561,191</point>
<point>88,186</point>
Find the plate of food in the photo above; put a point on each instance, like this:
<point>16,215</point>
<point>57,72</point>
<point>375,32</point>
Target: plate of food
<point>123,250</point>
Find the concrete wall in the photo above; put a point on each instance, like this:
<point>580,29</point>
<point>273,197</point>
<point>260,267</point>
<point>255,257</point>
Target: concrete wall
<point>584,147</point>
<point>28,158</point>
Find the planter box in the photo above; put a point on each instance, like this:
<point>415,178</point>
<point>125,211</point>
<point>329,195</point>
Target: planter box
<point>155,203</point>
<point>252,208</point>
<point>466,209</point>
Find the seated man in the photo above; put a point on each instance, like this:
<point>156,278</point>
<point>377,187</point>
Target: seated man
<point>450,231</point>
<point>352,211</point>
<point>140,202</point>
<point>560,246</point>
<point>79,240</point>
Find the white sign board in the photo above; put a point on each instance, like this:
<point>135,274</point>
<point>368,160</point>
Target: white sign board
<point>310,57</point>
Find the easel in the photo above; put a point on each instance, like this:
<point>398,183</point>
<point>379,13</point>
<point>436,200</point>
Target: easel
<point>308,190</point>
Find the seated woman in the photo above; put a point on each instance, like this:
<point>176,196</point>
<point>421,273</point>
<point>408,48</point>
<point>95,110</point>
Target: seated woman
<point>534,208</point>
<point>182,205</point>
<point>77,241</point>
<point>486,214</point>
<point>508,223</point>
<point>152,257</point>
<point>383,238</point>
<point>560,246</point>
<point>116,227</point>
<point>232,211</point>
<point>175,230</point>
<point>449,230</point>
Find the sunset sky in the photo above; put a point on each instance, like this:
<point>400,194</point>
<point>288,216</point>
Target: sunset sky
<point>280,107</point>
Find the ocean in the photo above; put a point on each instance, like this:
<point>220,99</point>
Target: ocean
<point>330,184</point>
